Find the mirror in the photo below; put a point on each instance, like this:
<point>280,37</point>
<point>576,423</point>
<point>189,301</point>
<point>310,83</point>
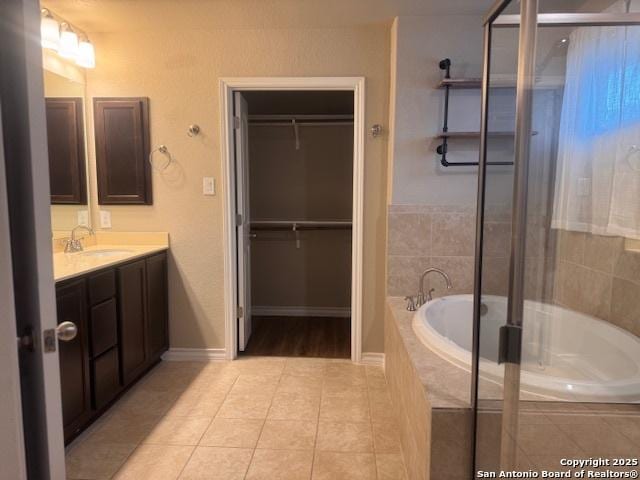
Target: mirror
<point>66,115</point>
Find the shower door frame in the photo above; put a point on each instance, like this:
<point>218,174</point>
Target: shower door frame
<point>529,21</point>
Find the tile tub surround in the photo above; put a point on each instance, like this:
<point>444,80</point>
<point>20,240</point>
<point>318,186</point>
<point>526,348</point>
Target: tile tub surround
<point>422,236</point>
<point>430,399</point>
<point>253,418</point>
<point>598,276</point>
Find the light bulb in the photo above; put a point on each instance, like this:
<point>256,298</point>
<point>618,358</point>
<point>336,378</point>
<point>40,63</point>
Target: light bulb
<point>86,54</point>
<point>68,42</point>
<point>49,31</point>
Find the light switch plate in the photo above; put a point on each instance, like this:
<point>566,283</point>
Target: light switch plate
<point>208,186</point>
<point>105,219</point>
<point>83,217</point>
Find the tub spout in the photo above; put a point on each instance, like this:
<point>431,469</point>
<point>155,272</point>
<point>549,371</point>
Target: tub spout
<point>422,297</point>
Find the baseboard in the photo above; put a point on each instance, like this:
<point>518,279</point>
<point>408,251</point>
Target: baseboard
<point>372,358</point>
<point>285,311</point>
<point>195,354</point>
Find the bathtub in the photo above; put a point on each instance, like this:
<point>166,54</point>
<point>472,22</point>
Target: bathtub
<point>565,355</point>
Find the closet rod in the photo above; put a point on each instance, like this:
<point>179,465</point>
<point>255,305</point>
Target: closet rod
<point>300,124</point>
<point>302,224</point>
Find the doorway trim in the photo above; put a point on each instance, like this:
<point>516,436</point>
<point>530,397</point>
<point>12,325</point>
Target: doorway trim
<point>227,87</point>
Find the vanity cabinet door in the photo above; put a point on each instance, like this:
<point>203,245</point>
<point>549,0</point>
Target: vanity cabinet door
<point>74,358</point>
<point>132,314</point>
<point>157,306</point>
<point>122,150</point>
<point>65,139</point>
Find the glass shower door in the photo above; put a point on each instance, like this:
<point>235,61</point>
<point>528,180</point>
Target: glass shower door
<point>557,315</point>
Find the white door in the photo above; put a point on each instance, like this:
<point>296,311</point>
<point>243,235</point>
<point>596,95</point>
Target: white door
<point>241,140</point>
<point>26,271</point>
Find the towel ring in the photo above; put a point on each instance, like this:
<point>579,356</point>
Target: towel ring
<point>165,151</point>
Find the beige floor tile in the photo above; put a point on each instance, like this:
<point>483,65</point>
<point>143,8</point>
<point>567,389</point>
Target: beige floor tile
<point>247,405</point>
<point>390,467</point>
<point>157,462</point>
<point>344,409</point>
<point>257,366</point>
<point>288,435</point>
<point>305,367</point>
<point>345,437</point>
<point>386,437</point>
<point>300,384</point>
<point>214,463</point>
<point>96,461</point>
<point>280,465</point>
<point>344,466</point>
<point>294,406</point>
<point>248,384</point>
<point>141,401</point>
<point>178,431</point>
<point>232,432</point>
<point>120,427</point>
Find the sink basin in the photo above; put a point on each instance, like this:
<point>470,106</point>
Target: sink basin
<point>105,253</point>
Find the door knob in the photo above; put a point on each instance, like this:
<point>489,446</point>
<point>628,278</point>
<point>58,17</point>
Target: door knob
<point>66,331</point>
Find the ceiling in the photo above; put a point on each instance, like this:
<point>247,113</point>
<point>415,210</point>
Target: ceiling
<point>119,15</point>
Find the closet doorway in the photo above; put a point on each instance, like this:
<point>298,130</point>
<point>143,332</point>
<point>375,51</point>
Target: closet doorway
<point>294,178</point>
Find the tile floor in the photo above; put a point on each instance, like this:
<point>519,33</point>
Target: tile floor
<point>255,418</point>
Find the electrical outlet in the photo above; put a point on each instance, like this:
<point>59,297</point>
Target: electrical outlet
<point>208,186</point>
<point>83,217</point>
<point>105,219</point>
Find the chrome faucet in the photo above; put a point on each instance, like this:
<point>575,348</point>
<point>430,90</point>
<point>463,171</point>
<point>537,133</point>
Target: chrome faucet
<point>74,244</point>
<point>422,297</point>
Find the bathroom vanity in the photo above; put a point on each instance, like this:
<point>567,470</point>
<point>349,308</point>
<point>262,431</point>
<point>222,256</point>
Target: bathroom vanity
<point>121,313</point>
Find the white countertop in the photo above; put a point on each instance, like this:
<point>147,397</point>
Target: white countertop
<point>132,246</point>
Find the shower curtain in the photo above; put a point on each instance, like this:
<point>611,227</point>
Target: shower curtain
<point>597,186</point>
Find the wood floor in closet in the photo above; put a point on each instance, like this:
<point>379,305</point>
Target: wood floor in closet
<point>300,337</point>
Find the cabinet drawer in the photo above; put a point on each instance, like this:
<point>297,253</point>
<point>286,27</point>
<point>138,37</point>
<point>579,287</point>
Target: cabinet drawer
<point>104,327</point>
<point>105,378</point>
<point>102,286</point>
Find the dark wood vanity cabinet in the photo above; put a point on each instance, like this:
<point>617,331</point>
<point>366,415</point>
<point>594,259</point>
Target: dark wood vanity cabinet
<point>65,141</point>
<point>122,317</point>
<point>133,317</point>
<point>122,151</point>
<point>74,357</point>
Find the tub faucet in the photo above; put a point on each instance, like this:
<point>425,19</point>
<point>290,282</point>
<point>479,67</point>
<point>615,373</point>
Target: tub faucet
<point>422,297</point>
<point>73,244</point>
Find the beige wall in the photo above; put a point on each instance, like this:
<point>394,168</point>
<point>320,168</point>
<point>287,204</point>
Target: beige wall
<point>179,72</point>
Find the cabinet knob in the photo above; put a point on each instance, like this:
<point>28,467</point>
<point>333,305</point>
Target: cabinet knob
<point>66,331</point>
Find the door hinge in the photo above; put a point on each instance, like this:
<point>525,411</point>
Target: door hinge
<point>238,219</point>
<point>240,312</point>
<point>49,340</point>
<point>236,123</point>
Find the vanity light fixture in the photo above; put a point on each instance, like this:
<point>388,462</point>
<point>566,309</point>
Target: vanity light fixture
<point>86,54</point>
<point>68,42</point>
<point>49,30</point>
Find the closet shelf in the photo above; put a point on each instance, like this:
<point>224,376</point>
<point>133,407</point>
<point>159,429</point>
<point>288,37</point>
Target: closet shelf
<point>295,225</point>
